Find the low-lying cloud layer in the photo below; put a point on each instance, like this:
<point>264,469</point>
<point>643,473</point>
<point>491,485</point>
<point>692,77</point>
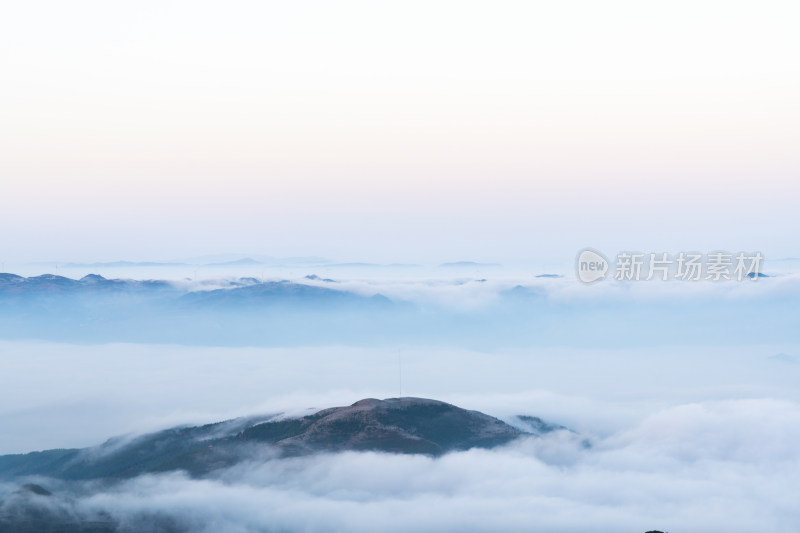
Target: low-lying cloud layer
<point>687,394</point>
<point>467,312</point>
<point>703,467</point>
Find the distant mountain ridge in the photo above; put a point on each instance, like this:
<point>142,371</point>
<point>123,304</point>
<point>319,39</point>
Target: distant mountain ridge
<point>12,284</point>
<point>468,264</point>
<point>243,311</point>
<point>53,282</point>
<point>209,260</point>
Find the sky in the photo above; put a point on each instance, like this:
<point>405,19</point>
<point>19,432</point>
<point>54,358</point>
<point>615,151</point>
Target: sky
<point>396,131</point>
<point>510,132</point>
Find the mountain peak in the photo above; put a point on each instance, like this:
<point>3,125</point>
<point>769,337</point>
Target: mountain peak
<point>92,278</point>
<point>399,425</point>
<point>404,425</point>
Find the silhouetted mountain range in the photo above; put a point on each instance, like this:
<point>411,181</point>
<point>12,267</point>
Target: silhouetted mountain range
<point>11,284</point>
<point>317,311</point>
<point>223,312</point>
<point>467,264</point>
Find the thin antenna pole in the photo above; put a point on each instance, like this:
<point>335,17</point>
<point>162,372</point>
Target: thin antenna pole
<point>400,371</point>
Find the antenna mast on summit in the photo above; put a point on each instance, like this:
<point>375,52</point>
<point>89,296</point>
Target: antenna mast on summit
<point>400,371</point>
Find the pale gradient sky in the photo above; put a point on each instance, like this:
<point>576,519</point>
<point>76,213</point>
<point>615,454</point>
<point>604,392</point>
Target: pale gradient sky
<point>397,131</point>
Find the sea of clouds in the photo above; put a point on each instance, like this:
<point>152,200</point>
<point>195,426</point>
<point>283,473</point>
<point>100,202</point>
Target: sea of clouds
<point>707,467</point>
<point>681,400</point>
